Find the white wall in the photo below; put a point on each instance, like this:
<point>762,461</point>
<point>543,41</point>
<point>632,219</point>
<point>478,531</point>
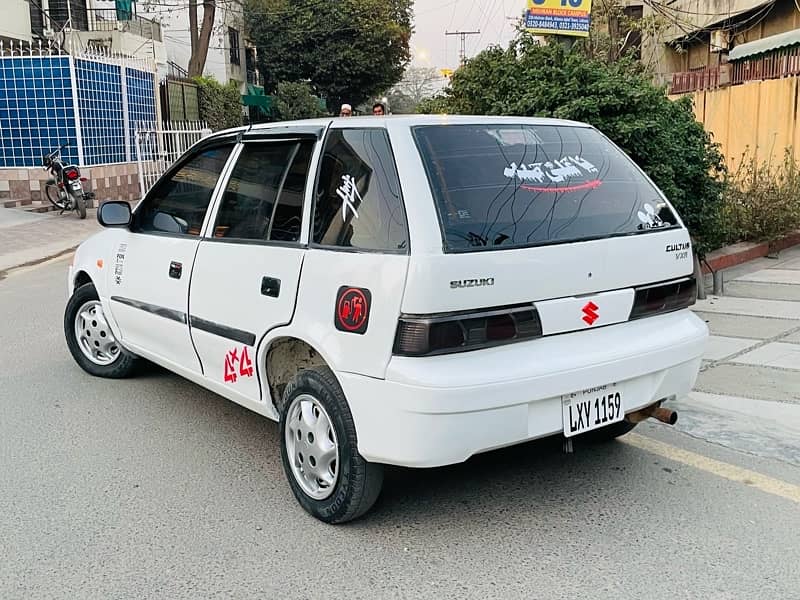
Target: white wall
<point>16,20</point>
<point>174,17</point>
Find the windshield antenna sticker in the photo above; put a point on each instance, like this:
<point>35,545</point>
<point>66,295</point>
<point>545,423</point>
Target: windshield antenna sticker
<point>556,171</point>
<point>351,199</point>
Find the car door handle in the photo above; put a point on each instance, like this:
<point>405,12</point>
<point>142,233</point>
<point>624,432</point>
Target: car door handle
<point>270,287</point>
<point>175,269</point>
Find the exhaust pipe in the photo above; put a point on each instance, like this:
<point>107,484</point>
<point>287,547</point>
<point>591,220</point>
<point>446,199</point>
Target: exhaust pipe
<point>665,415</point>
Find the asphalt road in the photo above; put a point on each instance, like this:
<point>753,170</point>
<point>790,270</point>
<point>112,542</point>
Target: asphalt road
<point>156,488</point>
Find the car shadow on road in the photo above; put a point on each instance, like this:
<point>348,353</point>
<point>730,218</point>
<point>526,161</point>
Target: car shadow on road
<point>536,478</point>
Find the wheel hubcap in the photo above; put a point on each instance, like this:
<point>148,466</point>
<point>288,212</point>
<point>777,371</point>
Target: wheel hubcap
<point>94,335</point>
<point>312,447</point>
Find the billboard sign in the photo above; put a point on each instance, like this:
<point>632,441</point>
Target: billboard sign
<point>560,17</point>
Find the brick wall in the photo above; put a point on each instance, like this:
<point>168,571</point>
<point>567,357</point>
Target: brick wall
<point>108,182</point>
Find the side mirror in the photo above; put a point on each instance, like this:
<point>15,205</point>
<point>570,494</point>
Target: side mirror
<point>114,214</point>
<point>169,223</point>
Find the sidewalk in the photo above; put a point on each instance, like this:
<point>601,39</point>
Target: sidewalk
<point>29,237</point>
<point>748,393</point>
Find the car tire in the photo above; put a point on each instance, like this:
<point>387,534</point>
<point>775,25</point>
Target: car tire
<point>90,341</point>
<point>333,491</point>
<point>609,433</point>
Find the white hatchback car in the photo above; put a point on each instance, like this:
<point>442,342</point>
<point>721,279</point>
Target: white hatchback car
<point>406,291</point>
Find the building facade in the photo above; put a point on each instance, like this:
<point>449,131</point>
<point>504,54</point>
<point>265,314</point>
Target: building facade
<point>687,37</point>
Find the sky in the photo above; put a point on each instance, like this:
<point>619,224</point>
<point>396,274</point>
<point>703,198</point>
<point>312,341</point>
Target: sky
<point>430,46</point>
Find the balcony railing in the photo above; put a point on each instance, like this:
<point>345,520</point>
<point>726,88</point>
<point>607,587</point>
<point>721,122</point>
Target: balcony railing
<point>691,81</point>
<point>784,62</point>
<point>109,19</point>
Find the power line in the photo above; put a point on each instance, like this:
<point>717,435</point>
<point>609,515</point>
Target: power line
<point>488,15</point>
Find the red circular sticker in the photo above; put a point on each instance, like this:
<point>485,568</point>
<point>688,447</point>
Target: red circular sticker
<point>352,309</point>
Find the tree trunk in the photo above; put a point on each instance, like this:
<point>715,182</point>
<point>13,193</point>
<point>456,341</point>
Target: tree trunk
<point>193,24</point>
<point>198,61</point>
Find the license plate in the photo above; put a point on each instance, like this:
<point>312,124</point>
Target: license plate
<point>592,408</point>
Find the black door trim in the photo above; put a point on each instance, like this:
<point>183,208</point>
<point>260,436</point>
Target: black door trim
<point>167,313</point>
<point>231,333</point>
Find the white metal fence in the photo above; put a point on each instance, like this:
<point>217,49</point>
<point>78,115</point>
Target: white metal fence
<point>158,145</point>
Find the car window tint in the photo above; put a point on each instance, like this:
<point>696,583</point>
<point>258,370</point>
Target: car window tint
<point>500,186</point>
<point>287,219</point>
<point>358,202</point>
<point>178,203</point>
<point>248,203</point>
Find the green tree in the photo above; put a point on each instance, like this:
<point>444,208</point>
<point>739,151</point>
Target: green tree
<point>662,136</point>
<point>295,101</point>
<point>220,105</point>
<point>349,50</point>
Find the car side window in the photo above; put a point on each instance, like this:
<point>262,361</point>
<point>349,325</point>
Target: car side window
<point>358,203</point>
<point>263,199</point>
<point>178,203</point>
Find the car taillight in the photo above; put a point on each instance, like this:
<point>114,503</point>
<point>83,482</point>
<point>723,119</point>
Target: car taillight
<point>664,297</point>
<point>72,175</point>
<point>427,335</point>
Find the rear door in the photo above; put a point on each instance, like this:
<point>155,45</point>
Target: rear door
<point>355,269</point>
<point>152,268</point>
<point>248,266</point>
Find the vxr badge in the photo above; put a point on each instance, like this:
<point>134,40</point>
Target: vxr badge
<point>590,313</point>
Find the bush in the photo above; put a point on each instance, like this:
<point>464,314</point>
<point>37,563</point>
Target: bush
<point>220,105</point>
<point>296,101</point>
<point>762,200</point>
<point>662,136</point>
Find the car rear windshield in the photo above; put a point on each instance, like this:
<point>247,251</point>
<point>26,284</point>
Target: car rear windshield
<point>511,186</point>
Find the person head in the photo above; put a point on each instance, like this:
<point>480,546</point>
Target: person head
<point>378,109</point>
<point>346,111</point>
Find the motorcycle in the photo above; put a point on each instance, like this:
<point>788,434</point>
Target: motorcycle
<point>65,189</point>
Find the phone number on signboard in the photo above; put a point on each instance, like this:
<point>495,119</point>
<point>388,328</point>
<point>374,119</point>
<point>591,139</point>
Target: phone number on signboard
<point>558,25</point>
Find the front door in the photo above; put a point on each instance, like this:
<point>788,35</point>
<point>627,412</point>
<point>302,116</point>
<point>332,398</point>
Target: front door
<point>152,267</point>
<point>248,266</point>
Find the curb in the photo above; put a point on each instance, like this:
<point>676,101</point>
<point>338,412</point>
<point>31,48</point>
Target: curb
<point>737,254</point>
<point>31,263</point>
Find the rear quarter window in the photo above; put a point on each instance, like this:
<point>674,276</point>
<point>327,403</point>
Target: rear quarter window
<point>358,202</point>
<point>507,186</point>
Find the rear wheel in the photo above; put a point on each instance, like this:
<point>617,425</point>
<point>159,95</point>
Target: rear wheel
<point>319,450</point>
<point>609,433</point>
<point>80,204</point>
<point>90,339</point>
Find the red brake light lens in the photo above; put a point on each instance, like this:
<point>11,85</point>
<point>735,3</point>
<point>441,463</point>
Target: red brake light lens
<point>72,175</point>
<point>428,335</point>
<point>664,297</point>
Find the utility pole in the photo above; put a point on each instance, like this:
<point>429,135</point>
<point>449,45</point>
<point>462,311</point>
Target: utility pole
<point>463,53</point>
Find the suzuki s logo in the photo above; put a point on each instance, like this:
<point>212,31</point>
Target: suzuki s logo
<point>590,313</point>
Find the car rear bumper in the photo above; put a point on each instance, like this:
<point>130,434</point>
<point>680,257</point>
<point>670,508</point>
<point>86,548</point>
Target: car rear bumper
<point>441,410</point>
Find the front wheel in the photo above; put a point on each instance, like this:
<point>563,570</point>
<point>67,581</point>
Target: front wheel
<point>90,339</point>
<point>319,450</point>
<point>53,195</point>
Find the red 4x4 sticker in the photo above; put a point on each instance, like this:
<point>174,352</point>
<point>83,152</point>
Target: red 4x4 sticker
<point>352,309</point>
<point>238,364</point>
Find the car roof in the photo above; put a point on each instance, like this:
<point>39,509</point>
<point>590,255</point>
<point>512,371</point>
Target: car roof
<point>401,121</point>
